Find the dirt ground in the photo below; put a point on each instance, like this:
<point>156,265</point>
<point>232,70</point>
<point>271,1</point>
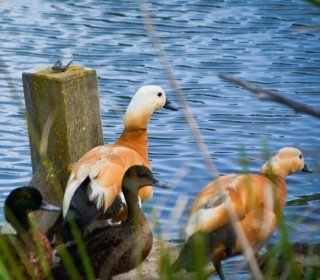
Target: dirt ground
<point>148,270</point>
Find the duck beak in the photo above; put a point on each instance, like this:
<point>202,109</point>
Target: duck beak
<point>156,183</point>
<point>306,169</point>
<point>46,206</point>
<point>169,106</point>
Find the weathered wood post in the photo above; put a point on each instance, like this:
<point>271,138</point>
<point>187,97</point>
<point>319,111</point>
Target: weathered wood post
<point>63,116</point>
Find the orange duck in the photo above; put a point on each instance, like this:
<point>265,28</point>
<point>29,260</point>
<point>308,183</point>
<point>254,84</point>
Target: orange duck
<point>257,200</point>
<point>94,186</point>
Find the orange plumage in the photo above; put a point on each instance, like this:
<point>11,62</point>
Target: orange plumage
<point>256,200</point>
<point>95,180</point>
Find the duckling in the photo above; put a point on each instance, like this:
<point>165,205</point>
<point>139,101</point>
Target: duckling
<point>257,201</point>
<point>27,254</point>
<point>96,178</point>
<point>119,248</point>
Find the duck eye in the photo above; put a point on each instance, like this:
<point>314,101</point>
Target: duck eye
<point>300,156</point>
<point>159,94</point>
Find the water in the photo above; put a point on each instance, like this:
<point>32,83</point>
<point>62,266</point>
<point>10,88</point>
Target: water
<point>273,43</point>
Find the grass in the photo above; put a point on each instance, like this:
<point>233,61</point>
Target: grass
<point>281,253</point>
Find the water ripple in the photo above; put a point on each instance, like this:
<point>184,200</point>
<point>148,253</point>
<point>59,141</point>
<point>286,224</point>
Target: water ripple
<point>259,41</point>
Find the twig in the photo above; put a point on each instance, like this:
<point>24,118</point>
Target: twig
<point>174,85</point>
<point>264,94</point>
<point>247,250</point>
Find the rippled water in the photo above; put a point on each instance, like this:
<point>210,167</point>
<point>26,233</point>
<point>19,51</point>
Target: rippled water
<point>273,43</point>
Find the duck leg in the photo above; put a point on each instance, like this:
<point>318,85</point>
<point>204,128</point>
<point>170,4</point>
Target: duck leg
<point>218,267</point>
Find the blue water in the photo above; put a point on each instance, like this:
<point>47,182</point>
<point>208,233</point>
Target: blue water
<point>272,43</point>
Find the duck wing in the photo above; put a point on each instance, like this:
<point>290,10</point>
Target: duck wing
<point>209,211</point>
<point>82,209</point>
<point>95,182</point>
<point>245,193</point>
<point>100,244</point>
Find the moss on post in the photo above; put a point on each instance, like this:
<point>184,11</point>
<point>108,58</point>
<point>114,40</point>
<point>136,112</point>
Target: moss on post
<point>64,122</point>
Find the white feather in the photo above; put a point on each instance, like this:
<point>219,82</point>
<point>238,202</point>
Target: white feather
<point>200,219</point>
<point>97,194</point>
<point>69,194</point>
<point>122,197</point>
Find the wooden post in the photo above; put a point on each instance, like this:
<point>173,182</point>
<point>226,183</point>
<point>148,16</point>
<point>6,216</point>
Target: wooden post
<point>63,116</point>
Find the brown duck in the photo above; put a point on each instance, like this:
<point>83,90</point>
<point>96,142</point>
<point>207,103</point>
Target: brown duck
<point>27,254</point>
<point>117,249</point>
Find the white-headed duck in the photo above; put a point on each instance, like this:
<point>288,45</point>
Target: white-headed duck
<point>95,181</point>
<point>27,254</point>
<point>119,248</point>
<point>257,200</point>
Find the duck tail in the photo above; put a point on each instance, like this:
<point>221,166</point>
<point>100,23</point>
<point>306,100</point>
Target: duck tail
<point>201,247</point>
<point>193,254</point>
<point>81,212</point>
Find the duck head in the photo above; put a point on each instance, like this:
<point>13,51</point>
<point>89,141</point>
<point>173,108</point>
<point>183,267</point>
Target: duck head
<point>138,176</point>
<point>144,103</point>
<point>286,161</point>
<point>20,202</point>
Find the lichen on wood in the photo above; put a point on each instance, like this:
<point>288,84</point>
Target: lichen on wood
<point>72,97</point>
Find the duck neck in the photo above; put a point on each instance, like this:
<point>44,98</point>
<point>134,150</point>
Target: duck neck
<point>136,140</point>
<point>135,214</point>
<point>280,182</point>
<point>137,115</point>
<point>19,220</point>
<point>273,173</point>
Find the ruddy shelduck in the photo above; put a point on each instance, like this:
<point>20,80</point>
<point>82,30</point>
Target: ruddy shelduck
<point>119,248</point>
<point>256,200</point>
<point>28,254</point>
<point>94,186</point>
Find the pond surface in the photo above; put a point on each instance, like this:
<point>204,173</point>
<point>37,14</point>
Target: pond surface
<point>272,43</point>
